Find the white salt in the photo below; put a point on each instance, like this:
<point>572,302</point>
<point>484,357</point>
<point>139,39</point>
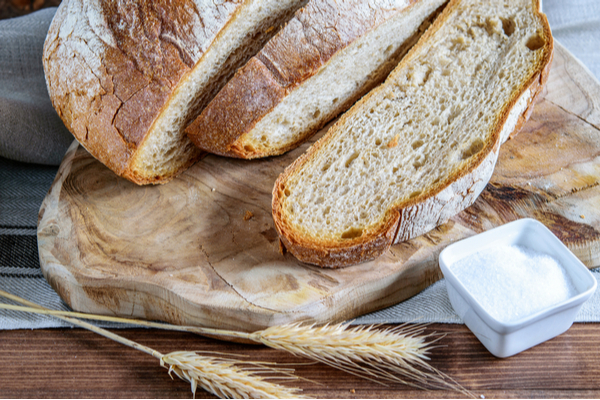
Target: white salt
<point>513,282</point>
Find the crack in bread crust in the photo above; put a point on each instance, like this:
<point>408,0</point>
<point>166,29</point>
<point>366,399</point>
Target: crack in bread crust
<point>112,69</point>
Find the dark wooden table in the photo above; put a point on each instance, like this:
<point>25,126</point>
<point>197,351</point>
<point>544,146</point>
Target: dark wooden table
<point>74,363</point>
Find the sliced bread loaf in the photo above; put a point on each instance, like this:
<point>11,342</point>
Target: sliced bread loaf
<point>329,55</point>
<point>127,77</point>
<point>421,147</point>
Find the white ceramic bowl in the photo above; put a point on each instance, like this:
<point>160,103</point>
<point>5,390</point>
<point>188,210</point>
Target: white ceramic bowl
<point>504,339</point>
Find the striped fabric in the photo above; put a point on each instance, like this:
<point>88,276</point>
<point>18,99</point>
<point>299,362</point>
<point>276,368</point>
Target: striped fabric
<point>22,189</point>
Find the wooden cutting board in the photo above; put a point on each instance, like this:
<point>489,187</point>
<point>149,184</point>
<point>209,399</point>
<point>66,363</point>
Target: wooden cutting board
<point>202,250</point>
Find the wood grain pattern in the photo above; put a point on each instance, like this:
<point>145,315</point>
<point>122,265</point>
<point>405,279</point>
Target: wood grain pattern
<point>188,254</point>
<point>72,363</point>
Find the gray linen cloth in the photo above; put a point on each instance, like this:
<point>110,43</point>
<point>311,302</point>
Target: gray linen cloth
<point>30,131</point>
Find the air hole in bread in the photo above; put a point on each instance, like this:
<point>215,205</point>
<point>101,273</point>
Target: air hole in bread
<point>417,143</point>
<point>325,167</point>
<point>287,192</point>
<point>508,26</point>
<point>326,211</point>
<point>316,114</point>
<point>475,148</point>
<point>352,233</point>
<point>249,148</point>
<point>394,170</point>
<point>351,158</point>
<point>319,200</point>
<point>535,42</point>
<point>389,48</point>
<point>418,163</point>
<point>378,142</point>
<point>334,100</point>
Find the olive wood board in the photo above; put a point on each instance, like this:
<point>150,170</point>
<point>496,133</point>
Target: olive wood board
<point>203,250</point>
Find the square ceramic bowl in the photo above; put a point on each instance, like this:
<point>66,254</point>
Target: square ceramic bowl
<point>504,339</point>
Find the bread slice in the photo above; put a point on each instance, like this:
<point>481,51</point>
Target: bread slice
<point>127,77</point>
<point>327,57</point>
<point>422,146</point>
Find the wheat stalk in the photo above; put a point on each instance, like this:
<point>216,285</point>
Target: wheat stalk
<point>395,355</point>
<point>226,378</point>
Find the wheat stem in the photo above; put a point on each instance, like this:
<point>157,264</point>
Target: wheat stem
<point>148,324</point>
<point>34,308</point>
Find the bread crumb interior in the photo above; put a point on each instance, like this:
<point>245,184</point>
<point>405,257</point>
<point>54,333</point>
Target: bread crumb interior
<point>426,123</point>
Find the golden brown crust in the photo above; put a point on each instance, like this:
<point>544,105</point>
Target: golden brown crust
<point>300,50</point>
<point>113,69</point>
<point>398,224</point>
<point>239,97</point>
<point>124,61</point>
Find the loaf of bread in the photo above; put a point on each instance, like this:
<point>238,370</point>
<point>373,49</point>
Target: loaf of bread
<point>328,56</point>
<point>127,77</point>
<point>421,147</point>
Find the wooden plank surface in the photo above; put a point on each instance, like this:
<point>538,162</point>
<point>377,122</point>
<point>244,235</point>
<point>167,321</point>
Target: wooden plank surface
<point>72,363</point>
<point>202,250</point>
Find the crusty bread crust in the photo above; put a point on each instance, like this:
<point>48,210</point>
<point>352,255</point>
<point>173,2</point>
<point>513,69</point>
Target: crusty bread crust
<point>109,83</point>
<point>299,51</point>
<point>432,207</point>
<point>112,68</point>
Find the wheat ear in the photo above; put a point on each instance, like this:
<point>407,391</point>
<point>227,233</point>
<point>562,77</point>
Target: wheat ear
<point>225,378</point>
<point>394,355</point>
